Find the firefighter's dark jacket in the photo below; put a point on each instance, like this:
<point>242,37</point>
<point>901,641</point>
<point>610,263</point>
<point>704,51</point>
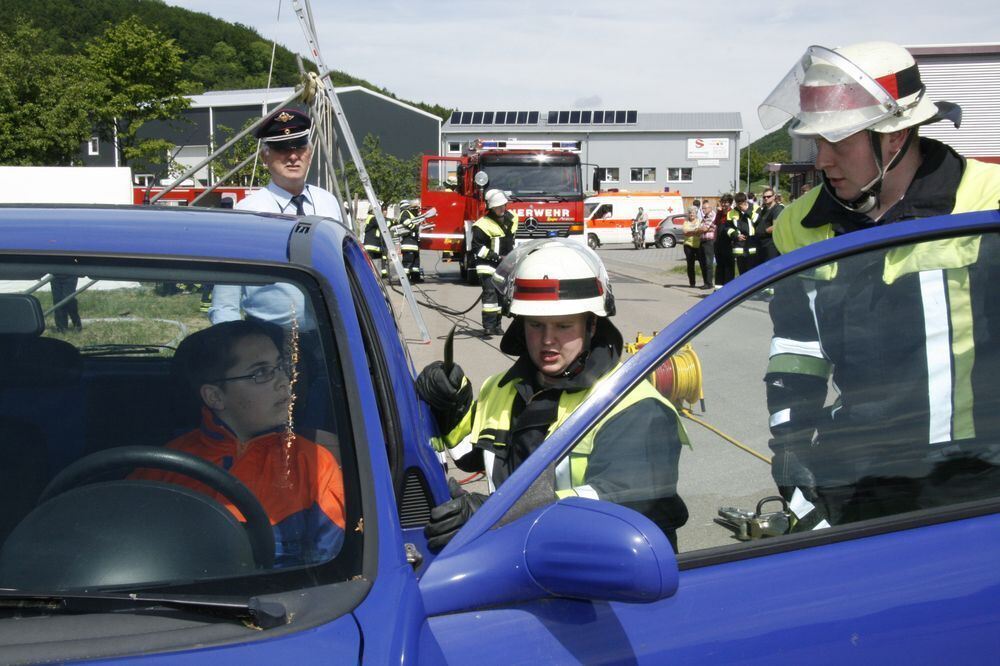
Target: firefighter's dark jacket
<point>911,336</point>
<point>492,238</point>
<point>630,457</point>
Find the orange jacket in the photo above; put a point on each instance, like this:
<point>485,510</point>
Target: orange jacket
<point>300,486</point>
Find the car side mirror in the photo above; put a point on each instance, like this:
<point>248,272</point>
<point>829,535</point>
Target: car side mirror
<point>576,548</point>
<point>596,182</point>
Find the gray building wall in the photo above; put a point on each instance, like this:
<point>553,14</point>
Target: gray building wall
<point>658,141</point>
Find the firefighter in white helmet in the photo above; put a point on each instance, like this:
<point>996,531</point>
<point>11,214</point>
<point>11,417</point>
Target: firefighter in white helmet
<point>559,296</point>
<point>863,105</point>
<point>492,239</point>
<point>407,228</point>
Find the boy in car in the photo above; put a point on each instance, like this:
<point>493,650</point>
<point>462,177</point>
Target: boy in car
<point>244,385</point>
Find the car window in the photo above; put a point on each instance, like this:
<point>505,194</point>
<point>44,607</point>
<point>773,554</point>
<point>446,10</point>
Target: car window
<point>232,370</point>
<point>859,389</point>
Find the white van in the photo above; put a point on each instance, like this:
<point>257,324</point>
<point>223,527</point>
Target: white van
<point>608,217</point>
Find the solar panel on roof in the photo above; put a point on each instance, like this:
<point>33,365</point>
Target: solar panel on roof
<point>487,117</point>
<point>631,117</point>
<point>477,118</point>
<point>533,118</point>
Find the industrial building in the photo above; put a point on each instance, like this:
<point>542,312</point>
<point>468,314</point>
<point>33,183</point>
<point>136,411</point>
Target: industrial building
<point>403,130</point>
<point>694,153</point>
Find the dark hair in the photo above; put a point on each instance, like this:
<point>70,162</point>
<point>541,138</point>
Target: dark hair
<point>741,197</point>
<point>696,202</point>
<point>726,198</point>
<point>207,355</point>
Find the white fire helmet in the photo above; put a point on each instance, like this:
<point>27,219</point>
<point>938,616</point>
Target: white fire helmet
<point>835,93</point>
<point>554,277</point>
<point>495,198</point>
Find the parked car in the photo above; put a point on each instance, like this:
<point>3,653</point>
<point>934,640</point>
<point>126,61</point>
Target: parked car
<point>98,564</point>
<point>668,232</point>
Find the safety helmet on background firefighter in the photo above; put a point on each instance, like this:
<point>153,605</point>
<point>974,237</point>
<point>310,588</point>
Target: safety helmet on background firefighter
<point>407,203</point>
<point>495,198</point>
<point>835,93</point>
<point>554,277</point>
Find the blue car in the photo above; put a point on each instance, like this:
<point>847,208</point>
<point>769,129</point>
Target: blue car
<point>118,543</point>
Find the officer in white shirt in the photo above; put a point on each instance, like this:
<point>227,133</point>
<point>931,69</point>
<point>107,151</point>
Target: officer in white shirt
<point>286,152</point>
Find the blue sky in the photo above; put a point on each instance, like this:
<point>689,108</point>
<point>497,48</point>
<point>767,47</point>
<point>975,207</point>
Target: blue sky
<point>700,55</point>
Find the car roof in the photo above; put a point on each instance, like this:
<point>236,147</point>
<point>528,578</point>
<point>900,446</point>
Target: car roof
<point>149,230</point>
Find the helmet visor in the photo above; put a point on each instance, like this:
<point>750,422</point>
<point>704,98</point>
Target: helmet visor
<point>828,96</point>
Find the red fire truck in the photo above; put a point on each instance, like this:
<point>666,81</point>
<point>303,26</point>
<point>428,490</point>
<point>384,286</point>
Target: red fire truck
<point>184,196</point>
<point>543,181</point>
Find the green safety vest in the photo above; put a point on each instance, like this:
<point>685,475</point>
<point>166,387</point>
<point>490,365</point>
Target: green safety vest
<point>490,426</point>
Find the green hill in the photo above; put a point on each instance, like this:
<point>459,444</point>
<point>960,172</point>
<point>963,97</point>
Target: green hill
<point>218,55</point>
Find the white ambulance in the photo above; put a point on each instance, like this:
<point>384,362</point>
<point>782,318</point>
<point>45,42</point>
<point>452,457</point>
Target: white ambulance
<point>608,217</point>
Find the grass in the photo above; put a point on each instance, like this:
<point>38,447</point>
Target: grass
<point>132,316</point>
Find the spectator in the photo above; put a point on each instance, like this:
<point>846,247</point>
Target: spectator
<point>63,286</point>
<point>764,225</point>
<point>708,243</point>
<point>692,246</point>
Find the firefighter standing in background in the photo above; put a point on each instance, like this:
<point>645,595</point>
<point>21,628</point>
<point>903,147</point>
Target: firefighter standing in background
<point>375,244</point>
<point>409,238</point>
<point>492,239</point>
<point>741,232</point>
<point>916,423</point>
<point>560,297</point>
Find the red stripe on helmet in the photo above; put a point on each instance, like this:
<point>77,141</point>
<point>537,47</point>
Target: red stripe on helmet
<point>544,289</point>
<point>853,95</point>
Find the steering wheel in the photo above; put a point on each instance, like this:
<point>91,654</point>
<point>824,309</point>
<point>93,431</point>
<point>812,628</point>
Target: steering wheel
<point>95,466</point>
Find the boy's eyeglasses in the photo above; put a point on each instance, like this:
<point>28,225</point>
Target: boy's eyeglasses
<point>261,375</point>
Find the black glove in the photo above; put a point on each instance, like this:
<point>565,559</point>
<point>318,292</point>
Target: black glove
<point>448,394</point>
<point>448,518</point>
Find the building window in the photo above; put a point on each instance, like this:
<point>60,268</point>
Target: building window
<point>94,146</point>
<point>642,175</point>
<point>679,174</point>
<point>608,175</point>
<point>454,147</point>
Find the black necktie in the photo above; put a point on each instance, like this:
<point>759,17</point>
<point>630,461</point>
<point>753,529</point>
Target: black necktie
<point>297,200</point>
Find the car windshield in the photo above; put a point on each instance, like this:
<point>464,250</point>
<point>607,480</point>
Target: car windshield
<point>160,432</point>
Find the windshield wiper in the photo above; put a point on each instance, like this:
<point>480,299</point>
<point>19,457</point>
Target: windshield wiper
<point>122,350</point>
<point>252,612</point>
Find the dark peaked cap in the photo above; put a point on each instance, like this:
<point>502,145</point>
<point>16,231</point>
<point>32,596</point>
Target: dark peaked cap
<point>285,128</point>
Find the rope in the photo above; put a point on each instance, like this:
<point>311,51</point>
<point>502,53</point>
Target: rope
<point>686,413</point>
<point>270,72</point>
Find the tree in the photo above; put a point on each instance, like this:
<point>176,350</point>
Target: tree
<point>392,179</point>
<point>243,148</point>
<point>139,71</point>
<point>44,115</point>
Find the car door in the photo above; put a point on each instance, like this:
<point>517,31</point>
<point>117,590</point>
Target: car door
<point>919,582</point>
